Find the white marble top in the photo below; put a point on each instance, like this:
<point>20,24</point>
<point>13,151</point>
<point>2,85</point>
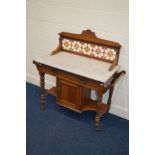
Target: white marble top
<point>90,68</point>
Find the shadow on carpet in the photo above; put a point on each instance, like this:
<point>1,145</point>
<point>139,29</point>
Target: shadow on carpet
<point>59,131</point>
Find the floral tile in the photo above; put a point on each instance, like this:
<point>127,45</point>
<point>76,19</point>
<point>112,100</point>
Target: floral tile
<point>89,49</point>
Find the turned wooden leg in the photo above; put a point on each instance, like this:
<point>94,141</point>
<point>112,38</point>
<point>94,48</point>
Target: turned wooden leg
<point>42,85</point>
<point>98,115</point>
<point>99,112</point>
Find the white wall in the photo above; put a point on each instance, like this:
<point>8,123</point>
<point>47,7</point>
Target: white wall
<point>108,18</point>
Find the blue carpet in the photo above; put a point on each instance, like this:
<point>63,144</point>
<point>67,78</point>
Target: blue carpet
<point>59,131</point>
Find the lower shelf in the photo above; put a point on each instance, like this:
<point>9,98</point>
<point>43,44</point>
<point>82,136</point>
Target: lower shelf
<point>52,91</point>
<point>87,104</point>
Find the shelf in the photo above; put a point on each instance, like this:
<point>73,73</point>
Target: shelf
<point>89,104</point>
<point>52,91</point>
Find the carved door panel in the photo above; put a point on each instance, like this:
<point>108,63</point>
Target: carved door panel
<point>69,95</point>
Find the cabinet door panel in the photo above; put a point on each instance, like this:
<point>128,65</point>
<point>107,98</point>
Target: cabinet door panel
<point>68,92</point>
<point>69,95</point>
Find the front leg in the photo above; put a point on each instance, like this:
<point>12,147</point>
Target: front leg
<point>42,85</point>
<point>99,112</point>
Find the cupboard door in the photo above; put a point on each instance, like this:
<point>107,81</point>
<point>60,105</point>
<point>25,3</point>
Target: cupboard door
<point>69,95</point>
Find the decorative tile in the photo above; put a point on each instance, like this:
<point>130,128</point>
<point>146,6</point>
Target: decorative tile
<point>89,49</point>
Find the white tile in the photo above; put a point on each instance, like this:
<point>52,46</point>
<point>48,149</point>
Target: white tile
<point>42,43</point>
<point>120,6</point>
<point>76,16</point>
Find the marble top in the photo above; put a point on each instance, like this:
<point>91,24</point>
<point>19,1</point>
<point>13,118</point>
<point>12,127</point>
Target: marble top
<point>80,65</point>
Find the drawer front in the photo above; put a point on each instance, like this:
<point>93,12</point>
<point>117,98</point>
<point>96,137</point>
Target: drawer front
<point>78,80</point>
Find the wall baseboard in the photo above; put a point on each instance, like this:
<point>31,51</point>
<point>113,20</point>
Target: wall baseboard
<point>36,81</point>
<point>116,110</point>
<point>119,111</point>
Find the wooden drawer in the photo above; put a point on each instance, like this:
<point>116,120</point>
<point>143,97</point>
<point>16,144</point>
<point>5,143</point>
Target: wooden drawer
<point>78,80</point>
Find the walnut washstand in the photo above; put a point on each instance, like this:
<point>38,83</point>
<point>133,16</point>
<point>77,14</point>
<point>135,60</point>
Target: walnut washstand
<point>81,63</point>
